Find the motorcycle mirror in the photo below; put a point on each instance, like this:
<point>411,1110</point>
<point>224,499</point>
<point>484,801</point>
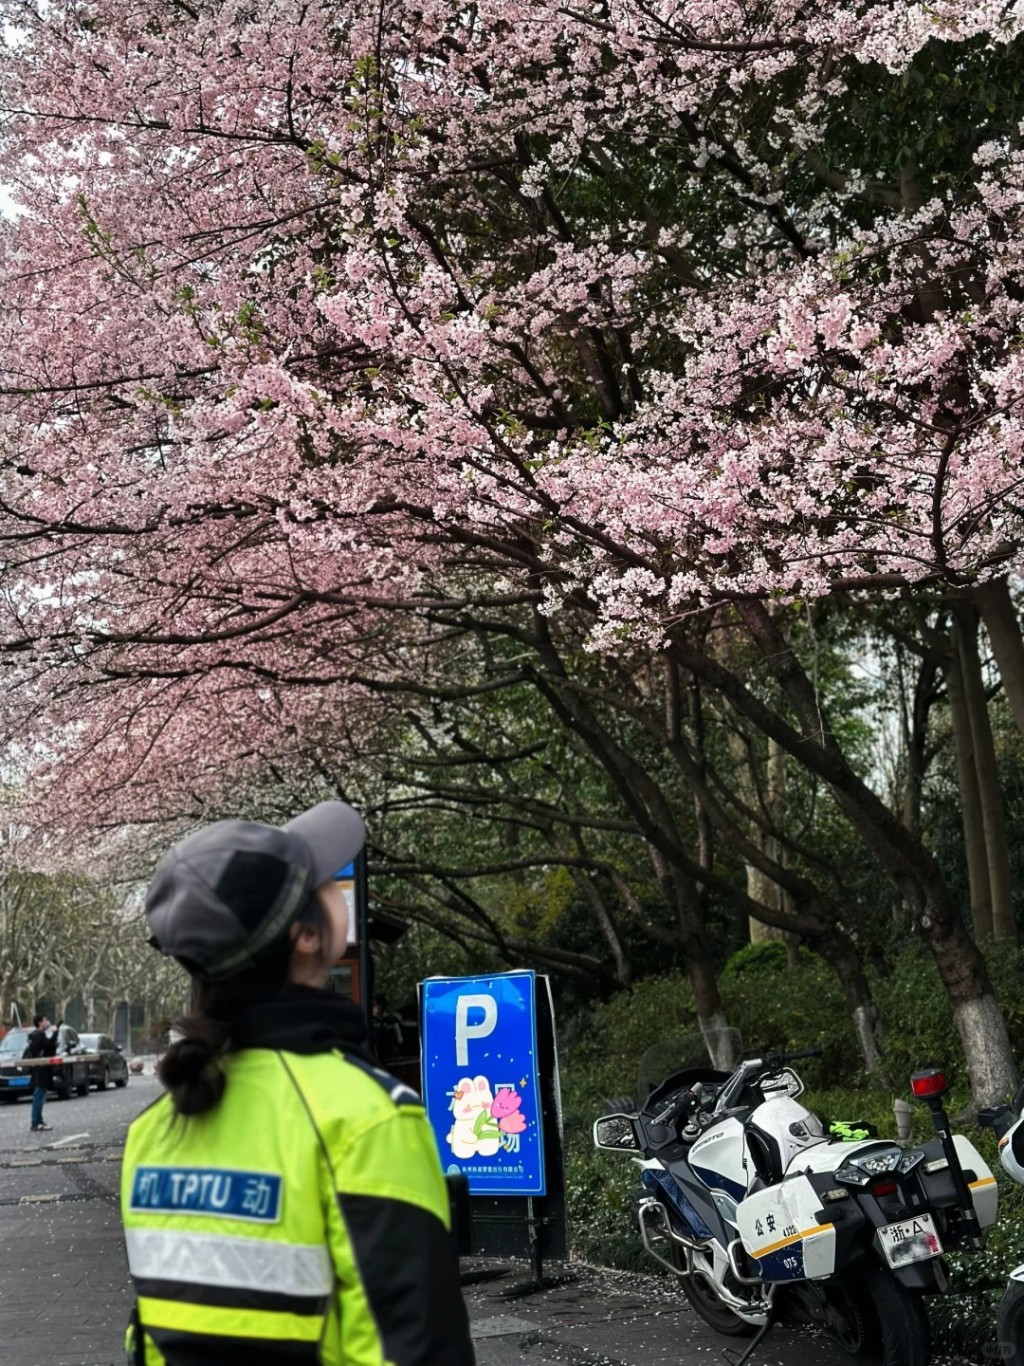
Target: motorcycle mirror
<point>784,1083</point>
<point>998,1118</point>
<point>615,1134</point>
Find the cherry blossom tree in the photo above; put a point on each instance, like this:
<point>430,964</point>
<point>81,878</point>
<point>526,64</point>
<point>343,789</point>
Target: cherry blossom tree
<point>312,316</point>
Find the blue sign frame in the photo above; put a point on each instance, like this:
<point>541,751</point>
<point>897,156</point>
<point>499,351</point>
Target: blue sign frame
<point>481,1085</point>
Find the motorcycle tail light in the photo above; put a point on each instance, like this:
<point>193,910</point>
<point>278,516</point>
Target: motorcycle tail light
<point>930,1083</point>
<point>885,1188</point>
<point>853,1176</point>
<point>878,1163</point>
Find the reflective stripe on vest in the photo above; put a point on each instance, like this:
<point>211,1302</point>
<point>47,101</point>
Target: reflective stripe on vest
<point>241,1263</point>
<point>268,1325</point>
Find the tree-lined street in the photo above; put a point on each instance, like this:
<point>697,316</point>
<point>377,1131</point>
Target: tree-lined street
<point>588,438</point>
<point>541,418</point>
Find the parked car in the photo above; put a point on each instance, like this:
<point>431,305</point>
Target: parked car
<point>107,1062</point>
<point>66,1074</point>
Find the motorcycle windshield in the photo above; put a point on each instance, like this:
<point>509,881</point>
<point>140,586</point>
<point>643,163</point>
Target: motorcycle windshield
<point>718,1048</point>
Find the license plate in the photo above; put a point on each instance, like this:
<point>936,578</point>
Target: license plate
<point>911,1240</point>
<point>18,1081</point>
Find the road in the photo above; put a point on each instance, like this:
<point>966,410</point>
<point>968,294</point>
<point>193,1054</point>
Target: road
<point>65,1294</point>
<point>64,1290</point>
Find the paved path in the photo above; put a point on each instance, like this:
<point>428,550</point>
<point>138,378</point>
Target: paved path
<point>64,1290</point>
<point>606,1318</point>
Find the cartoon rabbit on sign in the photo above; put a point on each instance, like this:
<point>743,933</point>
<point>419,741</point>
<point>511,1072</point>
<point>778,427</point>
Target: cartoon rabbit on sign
<point>474,1131</point>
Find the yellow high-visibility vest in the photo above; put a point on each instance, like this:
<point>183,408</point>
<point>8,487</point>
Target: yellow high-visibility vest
<point>304,1219</point>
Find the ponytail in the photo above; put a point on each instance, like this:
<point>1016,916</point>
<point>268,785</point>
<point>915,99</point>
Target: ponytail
<point>191,1070</point>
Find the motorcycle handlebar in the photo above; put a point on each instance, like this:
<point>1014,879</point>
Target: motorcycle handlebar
<point>675,1110</point>
<point>771,1062</point>
<point>775,1061</point>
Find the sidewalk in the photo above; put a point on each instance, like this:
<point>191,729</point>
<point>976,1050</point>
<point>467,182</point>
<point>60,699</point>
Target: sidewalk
<point>64,1289</point>
<point>594,1317</point>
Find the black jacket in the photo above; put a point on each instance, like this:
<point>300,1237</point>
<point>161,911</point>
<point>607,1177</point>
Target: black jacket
<point>41,1045</point>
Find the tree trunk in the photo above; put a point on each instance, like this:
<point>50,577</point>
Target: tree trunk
<point>915,713</point>
<point>965,634</point>
<point>760,887</point>
<point>857,994</point>
<point>909,864</point>
<point>653,814</point>
<point>705,831</point>
<point>721,1041</point>
<point>700,970</point>
<point>1003,626</point>
<point>979,891</point>
<point>608,927</point>
<point>978,1021</point>
<point>711,1017</point>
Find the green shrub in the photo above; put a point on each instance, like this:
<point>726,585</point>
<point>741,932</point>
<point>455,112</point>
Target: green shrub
<point>764,956</point>
<point>917,1022</point>
<point>603,1062</point>
<point>776,1006</point>
<point>964,1319</point>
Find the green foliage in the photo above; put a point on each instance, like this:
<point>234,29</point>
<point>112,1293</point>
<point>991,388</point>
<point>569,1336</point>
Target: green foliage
<point>753,959</point>
<point>964,1319</point>
<point>607,1055</point>
<point>603,1062</point>
<point>775,1006</point>
<point>420,953</point>
<point>917,1022</point>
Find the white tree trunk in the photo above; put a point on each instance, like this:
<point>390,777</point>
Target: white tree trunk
<point>982,1031</point>
<point>720,1039</point>
<point>863,1023</point>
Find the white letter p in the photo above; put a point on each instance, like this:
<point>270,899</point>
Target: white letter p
<point>464,1031</point>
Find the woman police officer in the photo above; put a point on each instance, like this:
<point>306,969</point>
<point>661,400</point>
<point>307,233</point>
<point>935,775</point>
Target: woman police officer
<point>283,1202</point>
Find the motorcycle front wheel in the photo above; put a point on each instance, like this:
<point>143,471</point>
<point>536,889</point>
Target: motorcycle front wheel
<point>877,1320</point>
<point>707,1306</point>
<point>1010,1325</point>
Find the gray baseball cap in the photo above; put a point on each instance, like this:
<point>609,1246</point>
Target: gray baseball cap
<point>230,890</point>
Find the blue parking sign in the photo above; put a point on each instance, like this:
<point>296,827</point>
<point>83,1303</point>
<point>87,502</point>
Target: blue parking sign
<point>481,1086</point>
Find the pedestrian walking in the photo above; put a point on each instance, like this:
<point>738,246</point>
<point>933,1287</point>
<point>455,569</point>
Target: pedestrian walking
<point>42,1043</point>
<point>284,1201</point>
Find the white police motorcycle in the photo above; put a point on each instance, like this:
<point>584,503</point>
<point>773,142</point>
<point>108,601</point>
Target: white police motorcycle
<point>1008,1126</point>
<point>765,1217</point>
